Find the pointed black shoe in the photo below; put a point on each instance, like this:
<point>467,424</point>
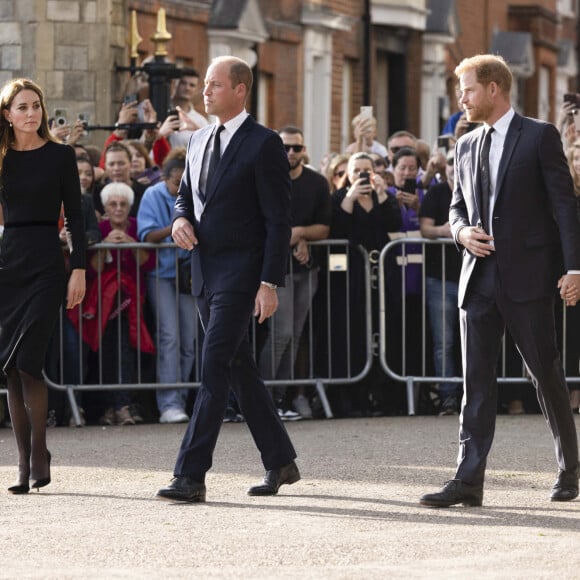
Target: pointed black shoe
<point>274,478</point>
<point>566,486</point>
<point>183,488</point>
<point>19,488</point>
<point>43,481</point>
<point>453,492</point>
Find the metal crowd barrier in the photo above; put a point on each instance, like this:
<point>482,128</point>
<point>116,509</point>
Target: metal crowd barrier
<point>333,260</point>
<point>336,326</point>
<point>397,249</point>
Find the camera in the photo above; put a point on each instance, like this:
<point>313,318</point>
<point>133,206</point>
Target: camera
<point>60,118</point>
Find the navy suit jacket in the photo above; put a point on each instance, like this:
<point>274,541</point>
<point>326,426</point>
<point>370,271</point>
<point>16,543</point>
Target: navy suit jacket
<point>535,218</point>
<point>243,231</point>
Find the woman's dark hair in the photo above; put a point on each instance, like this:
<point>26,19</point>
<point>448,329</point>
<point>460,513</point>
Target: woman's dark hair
<point>142,151</point>
<point>406,152</point>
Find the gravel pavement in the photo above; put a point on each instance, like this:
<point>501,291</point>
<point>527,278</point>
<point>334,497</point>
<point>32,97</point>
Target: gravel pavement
<point>355,513</point>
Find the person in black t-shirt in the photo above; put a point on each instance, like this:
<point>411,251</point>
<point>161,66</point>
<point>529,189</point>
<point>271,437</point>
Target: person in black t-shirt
<point>311,212</point>
<point>443,265</point>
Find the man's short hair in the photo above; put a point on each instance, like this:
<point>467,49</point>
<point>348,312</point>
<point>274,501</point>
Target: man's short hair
<point>240,72</point>
<point>189,72</point>
<point>291,130</point>
<point>488,68</point>
<point>397,134</point>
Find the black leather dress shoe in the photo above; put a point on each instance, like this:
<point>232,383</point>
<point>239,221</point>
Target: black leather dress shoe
<point>566,486</point>
<point>274,478</point>
<point>183,488</point>
<point>453,492</point>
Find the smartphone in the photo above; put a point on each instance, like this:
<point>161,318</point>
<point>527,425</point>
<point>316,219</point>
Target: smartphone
<point>443,144</point>
<point>365,176</point>
<point>130,98</point>
<point>410,185</point>
<point>472,126</point>
<point>366,112</point>
<point>172,113</point>
<point>60,117</point>
<point>572,98</point>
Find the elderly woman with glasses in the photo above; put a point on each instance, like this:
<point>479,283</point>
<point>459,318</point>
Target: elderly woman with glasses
<point>113,308</point>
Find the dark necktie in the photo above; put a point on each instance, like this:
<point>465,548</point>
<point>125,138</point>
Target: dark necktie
<point>485,181</point>
<point>214,159</point>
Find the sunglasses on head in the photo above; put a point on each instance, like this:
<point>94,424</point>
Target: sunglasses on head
<point>295,148</point>
<point>340,173</point>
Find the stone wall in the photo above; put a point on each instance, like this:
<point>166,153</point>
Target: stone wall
<point>69,47</point>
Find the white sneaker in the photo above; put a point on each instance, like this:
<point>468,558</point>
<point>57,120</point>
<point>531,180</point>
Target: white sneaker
<point>174,416</point>
<point>302,406</point>
<point>289,415</point>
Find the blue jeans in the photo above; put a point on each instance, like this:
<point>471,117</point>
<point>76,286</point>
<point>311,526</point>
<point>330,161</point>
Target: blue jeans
<point>444,317</point>
<point>175,318</point>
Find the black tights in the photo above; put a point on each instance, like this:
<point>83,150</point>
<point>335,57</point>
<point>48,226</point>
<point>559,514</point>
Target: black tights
<point>28,404</point>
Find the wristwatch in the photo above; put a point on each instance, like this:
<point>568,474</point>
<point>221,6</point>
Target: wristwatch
<point>269,285</point>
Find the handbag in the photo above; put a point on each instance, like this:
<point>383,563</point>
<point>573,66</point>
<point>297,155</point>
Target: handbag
<point>184,275</point>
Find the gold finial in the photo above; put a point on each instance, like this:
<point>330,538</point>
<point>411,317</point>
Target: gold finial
<point>135,38</point>
<point>161,36</point>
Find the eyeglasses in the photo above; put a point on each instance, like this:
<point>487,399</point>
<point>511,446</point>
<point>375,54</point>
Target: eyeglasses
<point>394,150</point>
<point>339,173</point>
<point>295,148</point>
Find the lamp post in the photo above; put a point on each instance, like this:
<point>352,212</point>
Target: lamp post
<point>159,71</point>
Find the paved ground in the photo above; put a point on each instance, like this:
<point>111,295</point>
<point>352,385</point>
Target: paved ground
<point>354,515</point>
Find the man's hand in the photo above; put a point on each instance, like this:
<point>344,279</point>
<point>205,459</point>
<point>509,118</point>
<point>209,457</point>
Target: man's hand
<point>186,123</point>
<point>569,286</point>
<point>301,252</point>
<point>475,241</point>
<point>266,303</point>
<point>183,234</point>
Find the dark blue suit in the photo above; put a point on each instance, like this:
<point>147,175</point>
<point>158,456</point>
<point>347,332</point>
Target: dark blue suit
<point>535,224</point>
<point>243,233</point>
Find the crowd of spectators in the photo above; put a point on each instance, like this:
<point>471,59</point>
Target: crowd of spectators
<point>139,319</point>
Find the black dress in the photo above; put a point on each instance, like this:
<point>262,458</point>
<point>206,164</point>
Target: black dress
<point>32,271</point>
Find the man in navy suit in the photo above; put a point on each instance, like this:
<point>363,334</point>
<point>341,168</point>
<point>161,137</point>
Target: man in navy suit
<point>513,213</point>
<point>233,213</point>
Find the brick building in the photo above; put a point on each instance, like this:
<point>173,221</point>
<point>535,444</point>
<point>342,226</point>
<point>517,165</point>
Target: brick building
<point>315,61</point>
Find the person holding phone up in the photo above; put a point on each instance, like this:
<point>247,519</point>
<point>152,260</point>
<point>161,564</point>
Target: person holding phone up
<point>409,194</point>
<point>365,214</point>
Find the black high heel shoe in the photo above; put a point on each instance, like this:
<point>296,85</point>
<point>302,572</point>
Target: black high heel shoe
<point>44,481</point>
<point>21,488</point>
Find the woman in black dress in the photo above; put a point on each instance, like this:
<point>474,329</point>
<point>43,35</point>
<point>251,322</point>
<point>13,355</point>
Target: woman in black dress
<point>37,176</point>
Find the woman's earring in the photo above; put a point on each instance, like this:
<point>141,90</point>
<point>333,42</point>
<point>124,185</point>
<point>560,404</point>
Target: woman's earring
<point>10,124</point>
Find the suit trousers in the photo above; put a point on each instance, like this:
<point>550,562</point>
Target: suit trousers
<point>227,363</point>
<point>486,311</point>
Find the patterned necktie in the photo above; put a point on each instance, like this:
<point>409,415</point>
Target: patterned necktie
<point>485,179</point>
<point>215,158</point>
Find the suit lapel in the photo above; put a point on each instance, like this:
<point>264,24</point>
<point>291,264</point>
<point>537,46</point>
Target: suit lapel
<point>511,139</point>
<point>229,154</point>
